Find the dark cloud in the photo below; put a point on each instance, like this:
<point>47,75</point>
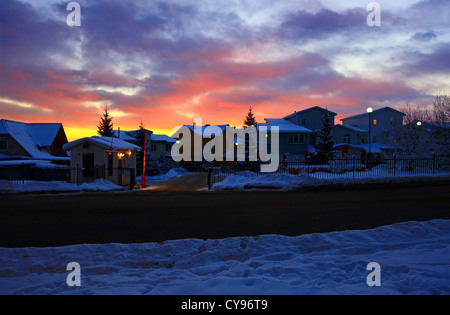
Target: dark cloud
<point>424,36</point>
<point>437,61</point>
<point>305,25</point>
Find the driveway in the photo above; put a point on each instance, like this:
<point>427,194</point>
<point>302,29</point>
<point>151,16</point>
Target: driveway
<point>187,183</point>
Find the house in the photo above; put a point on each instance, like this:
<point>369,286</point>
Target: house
<point>311,118</point>
<point>381,122</point>
<point>37,141</point>
<point>107,158</point>
<point>294,140</point>
<point>161,146</point>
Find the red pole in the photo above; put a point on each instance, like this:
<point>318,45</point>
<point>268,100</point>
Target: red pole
<point>143,184</point>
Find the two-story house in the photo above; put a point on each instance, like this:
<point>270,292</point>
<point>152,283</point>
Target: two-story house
<point>311,119</point>
<point>381,122</point>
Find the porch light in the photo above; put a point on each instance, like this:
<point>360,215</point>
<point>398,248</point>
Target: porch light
<point>120,155</point>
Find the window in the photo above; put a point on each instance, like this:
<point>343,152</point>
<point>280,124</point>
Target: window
<point>375,122</point>
<point>3,145</point>
<point>168,147</point>
<point>347,139</point>
<point>153,148</point>
<point>296,139</point>
<point>304,122</point>
<point>393,121</point>
<point>374,139</point>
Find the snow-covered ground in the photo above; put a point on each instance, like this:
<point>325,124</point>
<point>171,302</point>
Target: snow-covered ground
<point>249,180</point>
<point>100,185</point>
<point>414,259</point>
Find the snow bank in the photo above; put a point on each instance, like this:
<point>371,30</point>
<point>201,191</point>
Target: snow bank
<point>39,187</point>
<point>249,180</point>
<point>413,257</point>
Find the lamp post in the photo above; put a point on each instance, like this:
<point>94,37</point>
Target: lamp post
<point>369,111</point>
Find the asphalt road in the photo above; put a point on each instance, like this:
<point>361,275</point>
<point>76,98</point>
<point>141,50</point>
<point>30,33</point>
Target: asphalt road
<point>154,216</point>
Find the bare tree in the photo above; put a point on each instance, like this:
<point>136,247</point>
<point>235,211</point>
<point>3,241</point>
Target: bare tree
<point>425,131</point>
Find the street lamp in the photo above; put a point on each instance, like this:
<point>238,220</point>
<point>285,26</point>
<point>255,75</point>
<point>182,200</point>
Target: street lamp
<point>419,123</point>
<point>370,111</point>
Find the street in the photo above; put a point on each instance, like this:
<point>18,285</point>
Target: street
<point>155,216</point>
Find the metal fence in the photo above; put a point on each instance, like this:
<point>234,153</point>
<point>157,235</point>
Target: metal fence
<point>352,167</point>
<point>22,174</point>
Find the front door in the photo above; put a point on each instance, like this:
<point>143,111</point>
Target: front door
<point>88,165</point>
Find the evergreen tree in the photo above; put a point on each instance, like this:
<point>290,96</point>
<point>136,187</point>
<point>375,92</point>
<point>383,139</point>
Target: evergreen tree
<point>250,119</point>
<point>325,147</point>
<point>105,127</point>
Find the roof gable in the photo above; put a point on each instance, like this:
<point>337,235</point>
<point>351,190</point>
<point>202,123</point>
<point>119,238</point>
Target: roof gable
<point>374,112</point>
<point>32,137</point>
<point>315,108</point>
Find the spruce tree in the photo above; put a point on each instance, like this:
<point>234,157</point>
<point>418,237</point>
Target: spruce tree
<point>250,119</point>
<point>325,146</point>
<point>105,127</point>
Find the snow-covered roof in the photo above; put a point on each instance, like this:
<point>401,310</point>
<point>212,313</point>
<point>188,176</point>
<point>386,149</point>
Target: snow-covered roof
<point>125,135</point>
<point>32,137</point>
<point>375,147</point>
<point>284,125</point>
<point>162,138</point>
<point>353,128</point>
<point>374,112</point>
<point>104,142</point>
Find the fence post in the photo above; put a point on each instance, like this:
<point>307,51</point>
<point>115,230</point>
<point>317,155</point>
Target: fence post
<point>353,160</point>
<point>395,164</point>
<point>210,178</point>
<point>23,173</point>
<point>434,163</point>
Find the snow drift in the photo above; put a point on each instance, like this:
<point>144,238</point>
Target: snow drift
<point>414,259</point>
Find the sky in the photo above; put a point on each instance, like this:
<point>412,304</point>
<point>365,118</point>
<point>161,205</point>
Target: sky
<point>170,61</point>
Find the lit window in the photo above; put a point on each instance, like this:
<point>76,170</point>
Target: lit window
<point>375,122</point>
